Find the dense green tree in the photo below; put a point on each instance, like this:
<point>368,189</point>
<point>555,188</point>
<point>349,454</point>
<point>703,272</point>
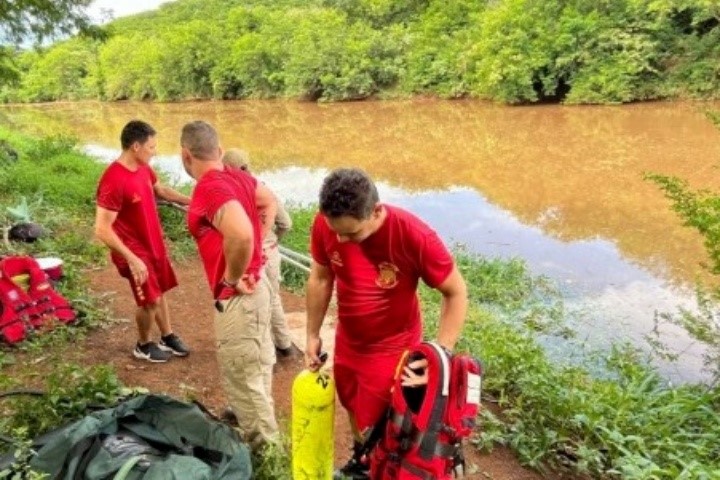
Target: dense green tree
<point>439,41</point>
<point>35,20</point>
<point>514,51</point>
<point>253,63</point>
<point>61,74</point>
<point>330,59</point>
<point>26,21</point>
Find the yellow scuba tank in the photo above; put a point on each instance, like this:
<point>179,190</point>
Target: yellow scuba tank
<point>313,421</point>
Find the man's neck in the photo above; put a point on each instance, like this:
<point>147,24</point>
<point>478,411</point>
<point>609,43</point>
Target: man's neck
<point>129,161</point>
<point>380,220</point>
<point>203,167</point>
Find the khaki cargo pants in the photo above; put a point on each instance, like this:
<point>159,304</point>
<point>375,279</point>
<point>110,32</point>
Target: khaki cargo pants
<point>246,356</point>
<point>280,332</point>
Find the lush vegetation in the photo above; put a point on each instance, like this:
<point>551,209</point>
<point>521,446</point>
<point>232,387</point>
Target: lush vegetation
<point>576,51</point>
<point>626,422</point>
<point>699,209</point>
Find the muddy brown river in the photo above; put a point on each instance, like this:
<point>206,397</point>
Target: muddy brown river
<point>560,187</point>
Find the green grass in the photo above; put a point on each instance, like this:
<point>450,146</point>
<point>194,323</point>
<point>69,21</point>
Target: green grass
<point>626,423</point>
<point>298,240</point>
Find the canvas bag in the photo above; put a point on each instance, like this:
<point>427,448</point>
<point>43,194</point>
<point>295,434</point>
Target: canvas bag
<point>148,437</point>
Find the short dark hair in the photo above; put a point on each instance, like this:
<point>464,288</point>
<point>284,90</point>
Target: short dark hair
<point>201,140</point>
<point>348,192</point>
<point>136,131</point>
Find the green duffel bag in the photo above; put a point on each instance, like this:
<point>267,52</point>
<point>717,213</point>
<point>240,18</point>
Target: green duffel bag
<point>149,437</point>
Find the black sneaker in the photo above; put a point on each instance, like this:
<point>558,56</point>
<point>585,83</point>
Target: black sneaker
<point>172,343</point>
<point>229,417</point>
<point>353,470</point>
<point>288,353</point>
<point>151,352</point>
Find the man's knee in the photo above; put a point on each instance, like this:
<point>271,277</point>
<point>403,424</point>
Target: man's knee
<point>151,307</point>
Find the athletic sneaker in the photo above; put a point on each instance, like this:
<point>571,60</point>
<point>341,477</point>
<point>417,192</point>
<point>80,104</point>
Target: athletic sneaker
<point>151,352</point>
<point>288,353</point>
<point>172,343</point>
<point>228,416</point>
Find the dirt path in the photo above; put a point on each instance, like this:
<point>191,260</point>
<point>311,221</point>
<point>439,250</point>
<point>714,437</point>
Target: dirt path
<point>197,376</point>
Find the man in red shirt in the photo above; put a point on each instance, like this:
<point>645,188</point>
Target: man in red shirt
<point>127,221</point>
<point>374,254</point>
<point>228,216</point>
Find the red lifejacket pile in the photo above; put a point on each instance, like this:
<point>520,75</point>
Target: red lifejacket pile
<point>425,426</point>
<point>23,312</point>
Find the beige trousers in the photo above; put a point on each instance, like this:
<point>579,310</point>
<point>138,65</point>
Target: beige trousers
<point>280,333</point>
<point>246,355</point>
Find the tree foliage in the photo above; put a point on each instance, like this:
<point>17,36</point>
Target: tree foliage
<point>514,51</point>
<point>35,20</point>
<point>699,209</point>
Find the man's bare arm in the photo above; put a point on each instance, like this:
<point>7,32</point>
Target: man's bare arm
<point>170,194</point>
<point>104,220</point>
<point>232,222</point>
<point>267,208</point>
<point>319,290</point>
<point>453,309</point>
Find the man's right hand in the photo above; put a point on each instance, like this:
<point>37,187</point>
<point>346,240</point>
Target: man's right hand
<point>246,285</point>
<point>138,270</point>
<point>312,353</point>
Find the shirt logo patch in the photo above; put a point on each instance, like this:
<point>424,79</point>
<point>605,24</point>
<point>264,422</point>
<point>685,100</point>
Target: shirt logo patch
<point>136,198</point>
<point>387,275</point>
<point>336,259</point>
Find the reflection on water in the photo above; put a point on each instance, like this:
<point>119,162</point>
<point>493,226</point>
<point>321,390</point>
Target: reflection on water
<point>559,186</point>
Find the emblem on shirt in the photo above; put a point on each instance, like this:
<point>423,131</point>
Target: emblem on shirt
<point>387,275</point>
<point>336,259</point>
<point>136,198</point>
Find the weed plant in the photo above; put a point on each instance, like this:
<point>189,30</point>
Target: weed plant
<point>69,392</point>
<point>274,462</point>
<point>297,240</point>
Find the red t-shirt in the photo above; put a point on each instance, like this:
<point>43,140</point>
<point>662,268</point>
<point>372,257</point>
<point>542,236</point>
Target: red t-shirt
<point>215,189</point>
<point>378,308</point>
<point>131,194</point>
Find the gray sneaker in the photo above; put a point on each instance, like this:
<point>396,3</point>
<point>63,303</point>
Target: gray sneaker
<point>151,352</point>
<point>172,343</point>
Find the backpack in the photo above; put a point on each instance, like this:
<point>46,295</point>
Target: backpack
<point>424,428</point>
<point>21,311</point>
<point>148,437</point>
<point>16,311</point>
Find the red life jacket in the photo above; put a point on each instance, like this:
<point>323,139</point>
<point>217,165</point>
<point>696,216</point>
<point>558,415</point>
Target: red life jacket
<point>17,310</point>
<point>425,425</point>
<point>38,307</point>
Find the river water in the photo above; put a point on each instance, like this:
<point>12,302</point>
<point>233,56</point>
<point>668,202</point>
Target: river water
<point>560,187</point>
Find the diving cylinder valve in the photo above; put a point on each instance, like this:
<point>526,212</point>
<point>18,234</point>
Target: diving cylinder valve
<point>313,420</point>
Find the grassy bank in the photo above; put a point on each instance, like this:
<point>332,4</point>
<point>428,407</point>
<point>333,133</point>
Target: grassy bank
<point>626,423</point>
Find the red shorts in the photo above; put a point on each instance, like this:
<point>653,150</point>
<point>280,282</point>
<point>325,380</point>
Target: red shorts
<point>363,384</point>
<point>161,278</point>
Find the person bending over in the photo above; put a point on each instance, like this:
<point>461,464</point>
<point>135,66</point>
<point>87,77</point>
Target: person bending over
<point>374,254</point>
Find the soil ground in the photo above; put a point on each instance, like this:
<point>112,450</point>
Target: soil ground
<point>197,376</point>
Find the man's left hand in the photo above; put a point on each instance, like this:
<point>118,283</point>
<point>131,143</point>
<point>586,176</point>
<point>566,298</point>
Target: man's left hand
<point>415,374</point>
